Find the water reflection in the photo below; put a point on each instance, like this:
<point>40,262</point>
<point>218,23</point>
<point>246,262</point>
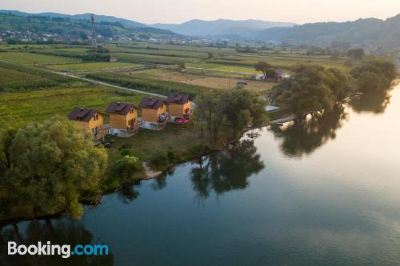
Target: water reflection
<point>304,137</point>
<point>57,232</point>
<point>371,102</point>
<point>128,192</point>
<point>227,170</point>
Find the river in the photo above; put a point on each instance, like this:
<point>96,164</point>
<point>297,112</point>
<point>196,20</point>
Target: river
<point>326,192</point>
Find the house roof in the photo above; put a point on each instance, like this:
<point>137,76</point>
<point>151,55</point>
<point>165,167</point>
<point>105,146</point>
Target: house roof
<point>82,114</point>
<point>178,98</point>
<point>120,108</point>
<point>151,103</point>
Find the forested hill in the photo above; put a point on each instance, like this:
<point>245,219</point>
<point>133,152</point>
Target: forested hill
<point>124,22</point>
<point>368,33</point>
<point>68,26</point>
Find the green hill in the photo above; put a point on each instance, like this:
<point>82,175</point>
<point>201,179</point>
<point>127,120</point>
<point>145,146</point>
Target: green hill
<point>21,25</point>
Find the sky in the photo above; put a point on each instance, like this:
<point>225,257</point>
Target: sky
<point>176,11</point>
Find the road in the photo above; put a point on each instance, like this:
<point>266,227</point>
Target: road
<point>93,81</point>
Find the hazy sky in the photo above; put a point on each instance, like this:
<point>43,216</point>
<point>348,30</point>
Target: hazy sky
<point>172,11</point>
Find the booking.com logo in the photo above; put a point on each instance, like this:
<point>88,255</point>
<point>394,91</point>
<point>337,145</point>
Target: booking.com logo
<point>65,251</point>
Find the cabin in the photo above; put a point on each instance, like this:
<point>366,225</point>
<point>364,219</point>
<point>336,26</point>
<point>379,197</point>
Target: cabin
<point>179,107</point>
<point>154,113</point>
<point>89,119</point>
<point>123,119</point>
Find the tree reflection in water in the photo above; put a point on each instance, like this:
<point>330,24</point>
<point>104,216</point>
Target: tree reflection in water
<point>304,137</point>
<point>227,170</point>
<point>371,102</point>
<point>128,192</point>
<point>60,232</point>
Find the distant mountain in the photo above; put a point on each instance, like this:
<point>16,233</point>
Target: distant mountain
<point>221,27</point>
<point>368,33</point>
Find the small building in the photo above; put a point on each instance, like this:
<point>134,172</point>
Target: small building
<point>123,119</point>
<point>90,120</point>
<point>275,75</point>
<point>154,113</point>
<point>113,59</point>
<point>179,106</point>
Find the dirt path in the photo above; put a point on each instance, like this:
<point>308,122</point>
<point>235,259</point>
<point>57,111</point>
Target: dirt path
<point>93,81</point>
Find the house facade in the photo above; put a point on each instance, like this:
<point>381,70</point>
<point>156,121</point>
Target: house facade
<point>89,119</point>
<point>123,119</point>
<point>179,106</point>
<point>154,113</point>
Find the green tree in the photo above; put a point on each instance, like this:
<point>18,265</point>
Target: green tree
<point>356,54</point>
<point>51,166</point>
<point>208,114</point>
<point>312,89</point>
<point>340,83</point>
<point>243,110</point>
<point>374,75</point>
<point>230,111</point>
<point>263,67</point>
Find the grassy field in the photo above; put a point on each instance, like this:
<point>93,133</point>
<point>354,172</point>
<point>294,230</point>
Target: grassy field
<point>95,67</point>
<point>25,58</point>
<point>200,80</point>
<point>205,68</point>
<point>147,84</point>
<point>147,143</point>
<point>28,106</point>
<point>20,77</point>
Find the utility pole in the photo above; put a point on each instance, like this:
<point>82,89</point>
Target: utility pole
<point>94,41</point>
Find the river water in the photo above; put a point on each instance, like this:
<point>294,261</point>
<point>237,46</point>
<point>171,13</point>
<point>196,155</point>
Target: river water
<point>326,192</point>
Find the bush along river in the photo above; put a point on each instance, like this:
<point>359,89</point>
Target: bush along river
<point>322,192</point>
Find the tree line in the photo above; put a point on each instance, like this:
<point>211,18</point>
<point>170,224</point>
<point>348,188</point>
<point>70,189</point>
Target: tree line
<point>313,88</point>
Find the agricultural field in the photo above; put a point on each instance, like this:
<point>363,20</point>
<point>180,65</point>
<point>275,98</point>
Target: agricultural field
<point>95,67</point>
<point>160,68</point>
<point>29,106</point>
<point>153,59</point>
<point>201,80</point>
<point>25,58</point>
<point>19,77</point>
<point>147,84</point>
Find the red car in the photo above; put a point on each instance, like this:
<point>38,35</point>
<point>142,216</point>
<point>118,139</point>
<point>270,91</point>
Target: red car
<point>181,120</point>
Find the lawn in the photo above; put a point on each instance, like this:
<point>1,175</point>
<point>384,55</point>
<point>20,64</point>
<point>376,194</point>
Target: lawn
<point>147,143</point>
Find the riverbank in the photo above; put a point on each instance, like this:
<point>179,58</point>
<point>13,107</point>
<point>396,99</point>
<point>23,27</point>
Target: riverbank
<point>160,151</point>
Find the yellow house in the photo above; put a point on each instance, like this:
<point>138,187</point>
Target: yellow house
<point>179,106</point>
<point>123,119</point>
<point>89,119</point>
<point>154,113</point>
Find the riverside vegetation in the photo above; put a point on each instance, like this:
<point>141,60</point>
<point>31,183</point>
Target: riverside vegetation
<point>42,159</point>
